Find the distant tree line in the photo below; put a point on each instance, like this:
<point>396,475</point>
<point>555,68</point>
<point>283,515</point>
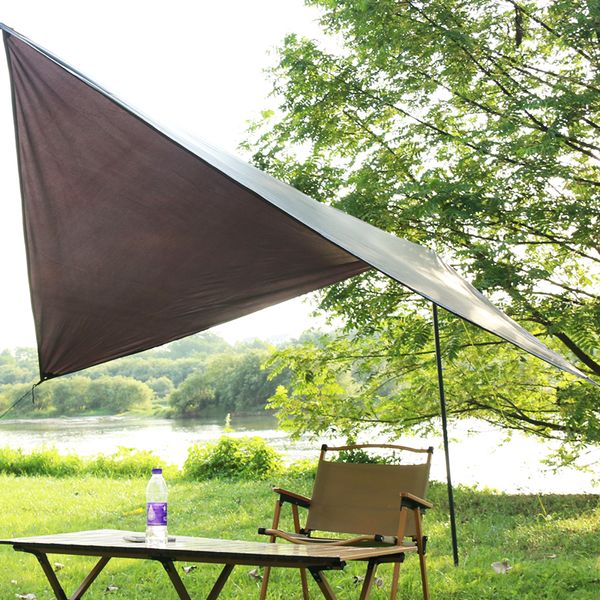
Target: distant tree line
<point>195,376</point>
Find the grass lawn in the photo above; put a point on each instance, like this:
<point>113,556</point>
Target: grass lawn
<point>552,542</point>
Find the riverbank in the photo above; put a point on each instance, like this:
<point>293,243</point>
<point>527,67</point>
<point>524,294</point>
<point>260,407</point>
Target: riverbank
<point>550,541</point>
<point>480,455</point>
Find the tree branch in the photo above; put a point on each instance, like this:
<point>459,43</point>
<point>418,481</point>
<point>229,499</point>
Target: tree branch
<point>501,86</point>
<point>551,30</point>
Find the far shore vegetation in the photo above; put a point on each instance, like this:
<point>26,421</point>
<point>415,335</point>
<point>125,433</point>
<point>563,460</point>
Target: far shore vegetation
<point>194,377</point>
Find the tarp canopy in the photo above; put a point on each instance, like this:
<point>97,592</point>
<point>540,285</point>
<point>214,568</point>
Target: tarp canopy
<point>137,236</point>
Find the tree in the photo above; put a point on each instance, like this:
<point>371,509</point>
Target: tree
<point>240,382</point>
<point>228,382</point>
<point>70,395</point>
<point>39,406</point>
<point>19,366</point>
<point>472,128</point>
<point>200,344</point>
<point>193,398</point>
<point>161,386</point>
<point>145,367</point>
<point>118,394</point>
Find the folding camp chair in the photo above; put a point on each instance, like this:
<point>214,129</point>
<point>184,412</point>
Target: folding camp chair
<point>378,503</point>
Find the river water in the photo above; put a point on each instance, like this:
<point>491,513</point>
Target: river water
<point>479,453</point>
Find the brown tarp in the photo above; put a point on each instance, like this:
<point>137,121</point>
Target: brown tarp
<point>136,236</point>
<point>132,241</point>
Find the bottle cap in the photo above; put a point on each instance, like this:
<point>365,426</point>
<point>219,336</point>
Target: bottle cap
<point>156,471</point>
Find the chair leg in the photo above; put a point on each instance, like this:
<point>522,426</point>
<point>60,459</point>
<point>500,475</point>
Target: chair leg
<point>400,536</point>
<point>303,580</point>
<point>267,570</point>
<point>421,551</point>
<point>265,583</point>
<point>424,577</point>
<point>395,578</point>
<point>366,588</point>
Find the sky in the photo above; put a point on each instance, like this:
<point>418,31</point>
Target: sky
<point>194,66</point>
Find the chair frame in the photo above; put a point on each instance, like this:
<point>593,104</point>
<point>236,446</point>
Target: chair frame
<point>406,502</point>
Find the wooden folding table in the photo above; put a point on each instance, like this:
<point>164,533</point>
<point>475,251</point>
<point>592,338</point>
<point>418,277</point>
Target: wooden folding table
<point>110,543</point>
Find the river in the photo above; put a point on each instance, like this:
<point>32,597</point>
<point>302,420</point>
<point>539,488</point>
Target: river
<point>480,454</point>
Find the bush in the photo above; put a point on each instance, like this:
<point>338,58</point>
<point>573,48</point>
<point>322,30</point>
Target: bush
<point>126,462</point>
<point>243,458</point>
<point>358,455</point>
<point>303,468</point>
<point>39,462</point>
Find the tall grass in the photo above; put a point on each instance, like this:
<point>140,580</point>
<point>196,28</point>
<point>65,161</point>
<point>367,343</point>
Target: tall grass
<point>126,462</point>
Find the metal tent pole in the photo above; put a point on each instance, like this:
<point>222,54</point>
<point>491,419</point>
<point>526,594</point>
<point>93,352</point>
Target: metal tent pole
<point>438,357</point>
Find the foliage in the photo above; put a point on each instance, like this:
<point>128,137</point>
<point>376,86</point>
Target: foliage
<point>229,382</point>
<point>550,540</point>
<point>192,398</point>
<point>19,366</point>
<point>201,344</point>
<point>76,395</point>
<point>246,458</point>
<point>146,367</point>
<point>161,386</point>
<point>239,381</point>
<point>126,462</point>
<point>472,128</point>
<point>345,385</point>
<point>39,462</point>
<point>194,376</point>
<point>302,468</point>
<point>360,456</point>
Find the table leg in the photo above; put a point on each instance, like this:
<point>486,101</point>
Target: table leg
<point>322,583</point>
<point>51,576</point>
<point>214,593</point>
<point>366,588</point>
<point>55,584</point>
<point>85,584</point>
<point>175,579</point>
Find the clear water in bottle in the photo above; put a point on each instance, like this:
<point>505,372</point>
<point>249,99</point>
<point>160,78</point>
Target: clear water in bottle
<point>156,510</point>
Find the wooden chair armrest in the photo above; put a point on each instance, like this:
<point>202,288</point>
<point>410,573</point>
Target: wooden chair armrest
<point>294,538</point>
<point>292,497</point>
<point>412,501</point>
<point>299,538</point>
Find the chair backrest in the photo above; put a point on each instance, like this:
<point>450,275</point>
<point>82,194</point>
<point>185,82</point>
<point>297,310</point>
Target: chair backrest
<point>365,498</point>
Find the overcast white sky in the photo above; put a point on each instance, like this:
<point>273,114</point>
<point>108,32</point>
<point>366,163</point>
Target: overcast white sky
<point>195,66</point>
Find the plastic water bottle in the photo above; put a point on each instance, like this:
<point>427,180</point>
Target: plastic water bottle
<point>156,510</point>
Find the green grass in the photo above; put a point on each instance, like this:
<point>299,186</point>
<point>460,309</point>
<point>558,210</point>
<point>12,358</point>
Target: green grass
<point>552,542</point>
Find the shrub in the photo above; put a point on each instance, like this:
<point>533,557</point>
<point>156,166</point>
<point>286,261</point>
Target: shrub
<point>244,458</point>
<point>39,462</point>
<point>305,467</point>
<point>126,462</point>
<point>358,455</point>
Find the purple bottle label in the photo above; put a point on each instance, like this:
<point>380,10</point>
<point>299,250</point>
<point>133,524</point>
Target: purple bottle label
<point>156,513</point>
